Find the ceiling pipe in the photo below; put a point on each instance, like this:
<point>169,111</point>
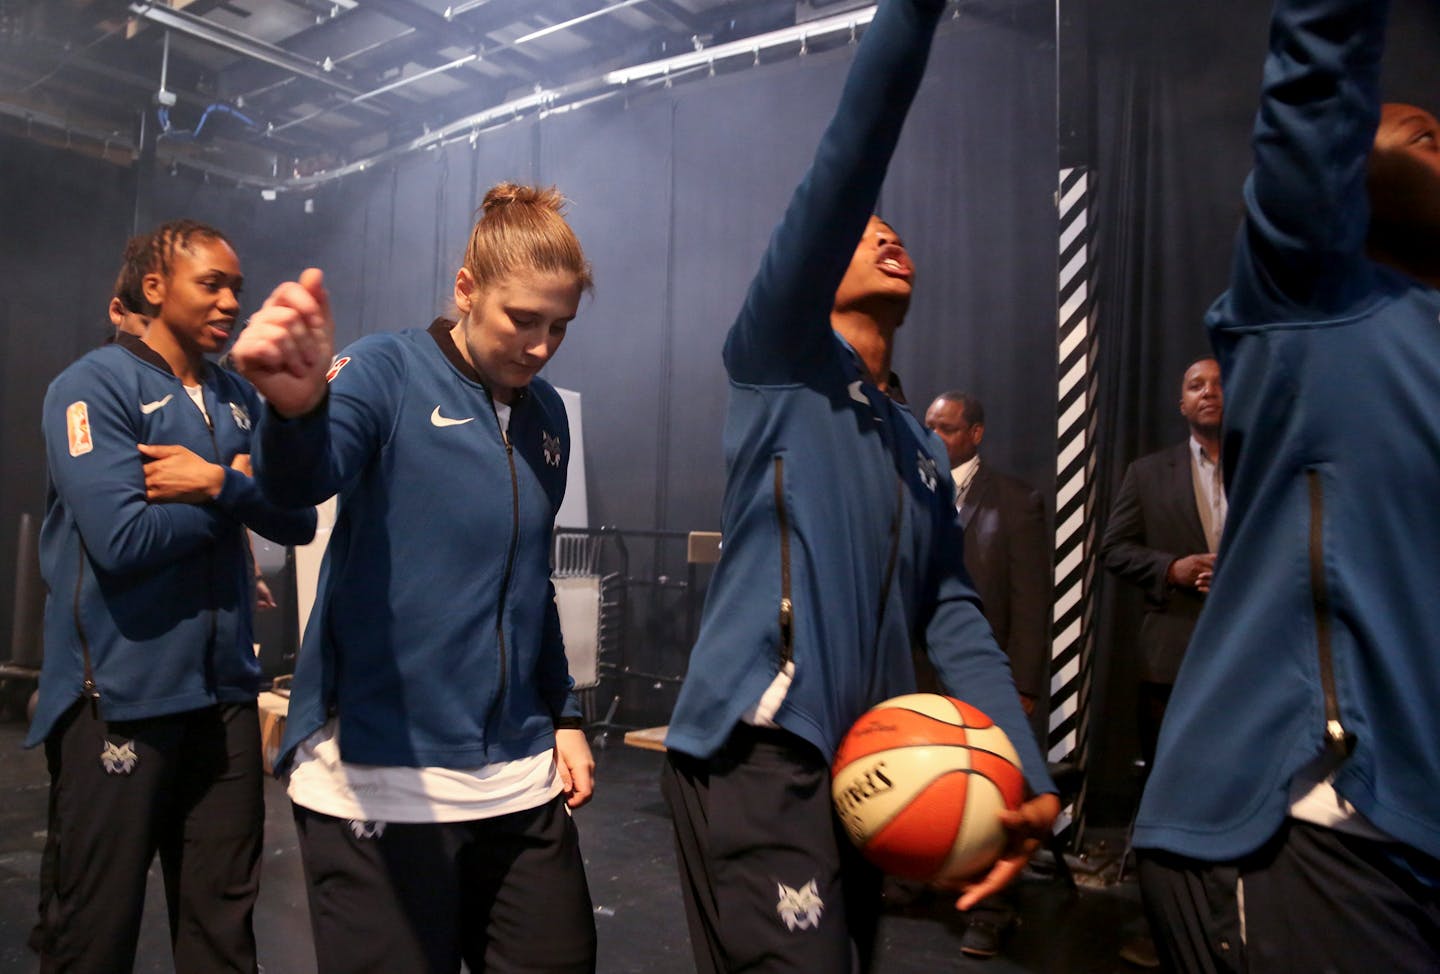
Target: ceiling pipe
<point>238,43</point>
<point>457,63</point>
<point>572,95</point>
<point>535,35</point>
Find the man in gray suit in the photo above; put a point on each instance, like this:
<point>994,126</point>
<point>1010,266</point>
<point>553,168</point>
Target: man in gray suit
<point>1162,536</point>
<point>1007,554</point>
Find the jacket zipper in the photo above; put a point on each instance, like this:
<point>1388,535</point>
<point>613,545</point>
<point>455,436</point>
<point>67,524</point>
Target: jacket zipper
<point>1337,741</point>
<point>214,612</point>
<point>509,558</point>
<point>787,608</point>
<point>88,686</point>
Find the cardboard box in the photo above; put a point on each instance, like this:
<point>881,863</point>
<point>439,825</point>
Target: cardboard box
<point>273,709</point>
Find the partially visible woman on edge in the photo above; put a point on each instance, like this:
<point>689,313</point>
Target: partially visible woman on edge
<point>147,693</point>
<point>433,742</point>
<point>129,311</point>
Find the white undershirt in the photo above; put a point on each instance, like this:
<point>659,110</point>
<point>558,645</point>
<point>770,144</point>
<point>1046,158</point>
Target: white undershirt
<point>320,781</point>
<point>763,713</point>
<point>197,396</point>
<point>1313,799</point>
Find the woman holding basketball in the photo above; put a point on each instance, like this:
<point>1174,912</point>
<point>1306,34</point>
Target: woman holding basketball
<point>841,545</point>
<point>433,744</point>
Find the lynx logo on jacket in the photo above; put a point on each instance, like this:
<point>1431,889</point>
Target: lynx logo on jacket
<point>551,446</point>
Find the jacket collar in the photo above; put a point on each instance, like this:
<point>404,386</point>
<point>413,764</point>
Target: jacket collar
<point>137,347</point>
<point>893,388</point>
<point>440,330</point>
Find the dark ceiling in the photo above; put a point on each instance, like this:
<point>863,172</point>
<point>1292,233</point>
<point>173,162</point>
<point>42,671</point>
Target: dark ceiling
<point>293,92</point>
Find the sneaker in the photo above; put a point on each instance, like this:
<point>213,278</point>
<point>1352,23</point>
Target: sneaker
<point>1139,951</point>
<point>981,939</point>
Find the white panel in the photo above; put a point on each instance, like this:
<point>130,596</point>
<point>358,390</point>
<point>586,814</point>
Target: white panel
<point>575,509</point>
<point>578,598</point>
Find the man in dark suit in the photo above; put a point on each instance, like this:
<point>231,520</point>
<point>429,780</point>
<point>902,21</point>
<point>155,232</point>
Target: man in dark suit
<point>1162,535</point>
<point>1007,553</point>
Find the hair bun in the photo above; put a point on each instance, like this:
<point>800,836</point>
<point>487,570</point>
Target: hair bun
<point>513,194</point>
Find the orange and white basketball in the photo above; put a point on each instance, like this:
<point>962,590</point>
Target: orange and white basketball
<point>919,782</point>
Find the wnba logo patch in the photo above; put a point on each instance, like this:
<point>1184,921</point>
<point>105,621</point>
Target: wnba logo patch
<point>335,368</point>
<point>77,428</point>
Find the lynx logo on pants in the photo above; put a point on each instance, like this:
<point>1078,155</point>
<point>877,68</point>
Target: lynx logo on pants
<point>118,758</point>
<point>800,908</point>
<point>366,828</point>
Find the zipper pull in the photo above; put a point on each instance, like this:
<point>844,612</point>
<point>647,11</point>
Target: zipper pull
<point>1337,740</point>
<point>92,693</point>
<point>787,616</point>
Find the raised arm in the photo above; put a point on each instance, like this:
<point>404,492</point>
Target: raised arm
<point>1307,212</point>
<point>96,470</point>
<point>317,434</point>
<point>785,320</point>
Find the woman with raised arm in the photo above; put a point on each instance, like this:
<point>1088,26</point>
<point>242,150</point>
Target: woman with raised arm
<point>433,745</point>
<point>840,544</point>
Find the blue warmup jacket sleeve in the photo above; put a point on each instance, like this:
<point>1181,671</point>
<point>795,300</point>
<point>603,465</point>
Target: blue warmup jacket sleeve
<point>968,660</point>
<point>1307,212</point>
<point>784,324</point>
<point>242,499</point>
<point>105,486</point>
<point>304,461</point>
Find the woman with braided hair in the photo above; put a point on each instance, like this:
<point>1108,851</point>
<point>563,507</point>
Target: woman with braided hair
<point>147,692</point>
<point>433,746</point>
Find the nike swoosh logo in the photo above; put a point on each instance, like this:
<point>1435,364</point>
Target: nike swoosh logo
<point>149,407</point>
<point>856,394</point>
<point>437,420</point>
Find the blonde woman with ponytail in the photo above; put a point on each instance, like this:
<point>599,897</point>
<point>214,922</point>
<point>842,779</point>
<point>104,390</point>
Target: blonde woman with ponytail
<point>433,749</point>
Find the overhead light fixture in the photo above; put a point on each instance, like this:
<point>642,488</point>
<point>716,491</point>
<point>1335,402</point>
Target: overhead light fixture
<point>750,46</point>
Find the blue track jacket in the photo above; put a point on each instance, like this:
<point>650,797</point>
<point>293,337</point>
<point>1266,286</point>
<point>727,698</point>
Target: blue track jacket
<point>435,637</point>
<point>824,469</point>
<point>1320,632</point>
<point>160,595</point>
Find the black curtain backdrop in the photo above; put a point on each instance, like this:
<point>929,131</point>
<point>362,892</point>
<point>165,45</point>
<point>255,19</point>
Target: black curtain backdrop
<point>674,194</point>
<point>1175,88</point>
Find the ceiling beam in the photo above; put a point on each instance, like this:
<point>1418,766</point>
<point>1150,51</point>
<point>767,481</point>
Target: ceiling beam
<point>242,44</point>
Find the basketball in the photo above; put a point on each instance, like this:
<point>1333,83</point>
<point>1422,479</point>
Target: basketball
<point>919,782</point>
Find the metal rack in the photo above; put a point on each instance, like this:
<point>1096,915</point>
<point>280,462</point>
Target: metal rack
<point>601,592</point>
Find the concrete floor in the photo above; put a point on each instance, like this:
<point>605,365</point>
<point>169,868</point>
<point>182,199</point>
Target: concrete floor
<point>626,836</point>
